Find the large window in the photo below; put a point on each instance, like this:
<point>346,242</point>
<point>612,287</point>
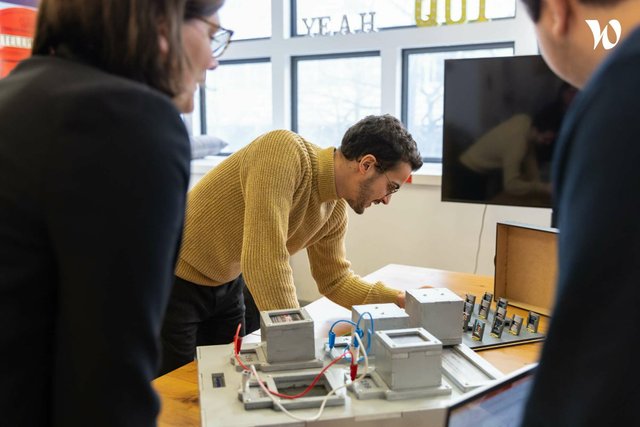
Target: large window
<point>363,57</point>
<point>249,19</point>
<point>423,91</point>
<point>332,92</point>
<point>237,102</point>
<point>313,17</point>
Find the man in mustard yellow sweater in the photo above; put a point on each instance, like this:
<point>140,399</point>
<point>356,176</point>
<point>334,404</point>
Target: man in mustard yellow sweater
<point>279,195</point>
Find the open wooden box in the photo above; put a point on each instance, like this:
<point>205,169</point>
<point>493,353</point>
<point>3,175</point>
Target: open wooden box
<point>526,266</point>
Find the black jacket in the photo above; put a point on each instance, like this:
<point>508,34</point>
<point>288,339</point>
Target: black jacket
<point>93,175</point>
<point>588,373</point>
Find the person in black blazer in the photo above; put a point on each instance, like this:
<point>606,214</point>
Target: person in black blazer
<point>588,373</point>
<point>94,167</point>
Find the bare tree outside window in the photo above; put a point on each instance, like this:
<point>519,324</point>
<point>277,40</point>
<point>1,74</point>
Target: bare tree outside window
<point>333,94</point>
<point>238,102</point>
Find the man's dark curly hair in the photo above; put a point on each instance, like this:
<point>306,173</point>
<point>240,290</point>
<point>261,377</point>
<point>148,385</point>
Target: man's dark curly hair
<point>385,138</point>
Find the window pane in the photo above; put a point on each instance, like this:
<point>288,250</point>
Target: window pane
<point>425,91</point>
<point>333,94</point>
<point>238,102</point>
<point>388,13</point>
<point>249,19</point>
<point>196,119</point>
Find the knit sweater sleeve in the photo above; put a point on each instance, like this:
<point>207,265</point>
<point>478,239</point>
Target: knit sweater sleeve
<point>332,273</point>
<point>273,169</point>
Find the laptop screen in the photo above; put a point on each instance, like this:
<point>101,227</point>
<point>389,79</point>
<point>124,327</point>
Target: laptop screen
<point>499,404</point>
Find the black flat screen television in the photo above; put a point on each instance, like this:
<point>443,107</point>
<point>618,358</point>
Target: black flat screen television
<point>501,120</point>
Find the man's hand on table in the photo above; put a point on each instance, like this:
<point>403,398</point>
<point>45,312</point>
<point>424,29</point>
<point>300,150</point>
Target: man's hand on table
<point>402,296</point>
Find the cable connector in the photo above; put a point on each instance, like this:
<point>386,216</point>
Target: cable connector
<point>353,369</point>
<point>238,345</point>
<point>246,376</point>
<point>360,334</point>
<point>355,353</point>
<point>332,340</point>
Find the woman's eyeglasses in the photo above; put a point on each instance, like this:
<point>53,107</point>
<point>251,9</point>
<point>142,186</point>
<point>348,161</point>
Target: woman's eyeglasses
<point>220,39</point>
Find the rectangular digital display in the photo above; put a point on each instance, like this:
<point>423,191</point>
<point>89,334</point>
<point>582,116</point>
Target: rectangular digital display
<point>285,317</point>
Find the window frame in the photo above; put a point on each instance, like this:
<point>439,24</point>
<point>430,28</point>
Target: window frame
<point>283,46</point>
<point>404,91</point>
<point>203,95</point>
<point>294,75</point>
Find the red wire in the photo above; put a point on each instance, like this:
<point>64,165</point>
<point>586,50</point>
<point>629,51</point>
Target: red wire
<point>236,350</point>
<point>315,380</point>
<point>275,393</point>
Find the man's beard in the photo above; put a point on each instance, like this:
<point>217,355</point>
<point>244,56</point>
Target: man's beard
<point>364,193</point>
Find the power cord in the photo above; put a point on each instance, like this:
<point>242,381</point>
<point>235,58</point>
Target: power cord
<point>484,213</point>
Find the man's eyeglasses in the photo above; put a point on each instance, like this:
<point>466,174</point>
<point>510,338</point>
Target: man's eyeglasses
<point>220,39</point>
<point>392,187</point>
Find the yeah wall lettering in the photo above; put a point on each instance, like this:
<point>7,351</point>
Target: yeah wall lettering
<point>319,26</point>
<point>365,22</point>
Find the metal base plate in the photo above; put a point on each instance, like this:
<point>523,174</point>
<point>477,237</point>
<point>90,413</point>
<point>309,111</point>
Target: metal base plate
<point>466,369</point>
<point>219,382</point>
<point>255,354</point>
<point>372,386</point>
<point>254,397</point>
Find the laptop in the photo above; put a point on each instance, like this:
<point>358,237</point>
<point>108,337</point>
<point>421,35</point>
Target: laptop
<point>498,404</point>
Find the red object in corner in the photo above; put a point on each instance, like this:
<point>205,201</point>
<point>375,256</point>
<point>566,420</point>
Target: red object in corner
<point>17,27</point>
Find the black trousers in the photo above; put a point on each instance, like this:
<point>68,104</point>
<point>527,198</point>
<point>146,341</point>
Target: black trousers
<point>204,315</point>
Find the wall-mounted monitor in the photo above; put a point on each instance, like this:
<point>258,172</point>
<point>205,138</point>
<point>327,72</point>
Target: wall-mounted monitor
<point>501,121</point>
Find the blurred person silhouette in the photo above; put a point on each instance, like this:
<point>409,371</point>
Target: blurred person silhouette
<point>511,156</point>
<point>586,375</point>
<point>94,167</point>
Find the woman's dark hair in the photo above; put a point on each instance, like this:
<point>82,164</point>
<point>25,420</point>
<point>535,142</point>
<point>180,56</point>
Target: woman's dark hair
<point>385,138</point>
<point>201,8</point>
<point>121,37</point>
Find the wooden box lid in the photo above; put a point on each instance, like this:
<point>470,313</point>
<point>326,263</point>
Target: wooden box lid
<point>526,266</point>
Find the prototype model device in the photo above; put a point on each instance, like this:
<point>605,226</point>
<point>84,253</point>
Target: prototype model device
<point>287,342</point>
<point>485,327</point>
<point>288,373</point>
<point>439,311</point>
<point>408,365</point>
<point>366,319</point>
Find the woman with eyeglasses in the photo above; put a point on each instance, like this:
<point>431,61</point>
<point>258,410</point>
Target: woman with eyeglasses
<point>94,166</point>
<point>201,19</point>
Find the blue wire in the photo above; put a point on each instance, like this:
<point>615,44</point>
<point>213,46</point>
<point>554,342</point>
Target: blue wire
<point>369,331</point>
<point>332,335</point>
<point>342,321</point>
<point>359,331</point>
